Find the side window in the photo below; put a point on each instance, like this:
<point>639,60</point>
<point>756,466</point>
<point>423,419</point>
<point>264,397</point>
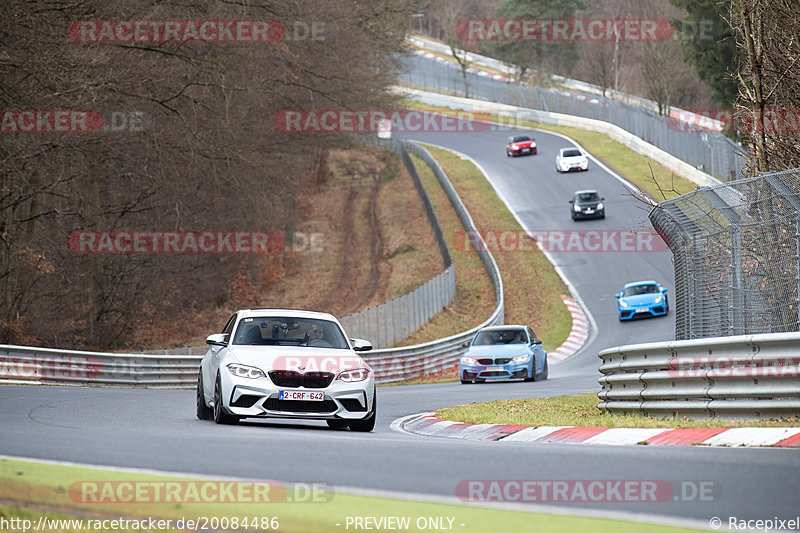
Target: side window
<point>229,327</point>
<point>531,334</point>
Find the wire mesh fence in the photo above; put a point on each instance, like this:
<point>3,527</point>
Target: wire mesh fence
<point>736,250</point>
<point>708,151</point>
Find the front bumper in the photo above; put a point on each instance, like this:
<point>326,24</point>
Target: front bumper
<point>595,213</point>
<point>497,372</point>
<point>629,313</point>
<point>259,398</point>
<point>523,151</point>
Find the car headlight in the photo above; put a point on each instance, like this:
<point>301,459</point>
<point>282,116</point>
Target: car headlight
<point>469,360</point>
<point>243,371</point>
<point>659,299</point>
<point>514,146</point>
<point>522,358</point>
<point>576,208</point>
<point>623,303</point>
<point>600,206</point>
<point>351,376</point>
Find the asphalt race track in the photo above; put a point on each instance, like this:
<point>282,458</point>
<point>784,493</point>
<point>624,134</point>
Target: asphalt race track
<point>157,429</point>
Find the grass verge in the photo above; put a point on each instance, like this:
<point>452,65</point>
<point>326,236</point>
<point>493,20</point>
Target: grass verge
<point>656,180</point>
<point>580,410</point>
<point>31,490</point>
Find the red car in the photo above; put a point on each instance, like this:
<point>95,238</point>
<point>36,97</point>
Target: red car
<point>520,145</point>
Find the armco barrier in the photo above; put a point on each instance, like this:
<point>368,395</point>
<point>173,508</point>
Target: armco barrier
<point>43,365</point>
<point>558,119</point>
<point>745,376</point>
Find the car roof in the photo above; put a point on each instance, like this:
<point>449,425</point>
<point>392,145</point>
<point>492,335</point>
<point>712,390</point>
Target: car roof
<point>292,313</point>
<point>586,191</point>
<point>499,328</point>
<point>635,283</point>
<point>571,148</point>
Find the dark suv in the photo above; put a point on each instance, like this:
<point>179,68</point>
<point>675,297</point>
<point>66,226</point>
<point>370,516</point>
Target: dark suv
<point>587,204</point>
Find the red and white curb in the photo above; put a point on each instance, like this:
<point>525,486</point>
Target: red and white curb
<point>577,336</point>
<point>428,424</point>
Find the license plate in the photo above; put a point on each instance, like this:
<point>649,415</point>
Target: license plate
<point>642,310</point>
<point>589,211</point>
<point>495,369</point>
<point>525,150</point>
<point>301,395</point>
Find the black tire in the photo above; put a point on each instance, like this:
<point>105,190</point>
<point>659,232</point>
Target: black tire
<point>545,371</point>
<point>204,412</point>
<point>220,416</point>
<point>337,424</point>
<point>466,382</point>
<point>367,424</point>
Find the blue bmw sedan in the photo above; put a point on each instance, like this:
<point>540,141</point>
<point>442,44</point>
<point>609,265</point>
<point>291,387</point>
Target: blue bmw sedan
<point>503,352</point>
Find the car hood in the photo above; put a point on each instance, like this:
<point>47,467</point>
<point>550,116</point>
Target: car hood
<point>497,350</point>
<point>523,143</point>
<point>641,299</point>
<point>301,358</point>
<point>583,205</point>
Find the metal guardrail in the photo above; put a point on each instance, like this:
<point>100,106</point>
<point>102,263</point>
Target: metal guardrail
<point>708,151</point>
<point>509,116</point>
<point>745,377</point>
<point>737,256</point>
<point>44,365</point>
<point>389,323</point>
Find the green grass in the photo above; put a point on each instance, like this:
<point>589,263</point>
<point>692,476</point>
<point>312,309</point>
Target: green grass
<point>30,490</point>
<point>656,180</point>
<point>579,410</point>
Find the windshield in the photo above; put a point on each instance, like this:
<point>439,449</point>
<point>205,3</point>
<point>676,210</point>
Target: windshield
<point>588,197</point>
<point>640,289</point>
<point>501,336</point>
<point>571,153</point>
<point>521,139</point>
<point>287,331</point>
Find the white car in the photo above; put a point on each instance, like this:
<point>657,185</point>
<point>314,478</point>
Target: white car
<point>568,159</point>
<point>278,363</point>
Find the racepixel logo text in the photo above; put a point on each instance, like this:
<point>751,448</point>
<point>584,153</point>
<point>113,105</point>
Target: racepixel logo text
<point>564,30</point>
<point>599,241</point>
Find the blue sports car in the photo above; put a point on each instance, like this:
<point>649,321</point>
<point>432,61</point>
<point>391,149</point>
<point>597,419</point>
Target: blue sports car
<point>642,298</point>
<point>503,352</point>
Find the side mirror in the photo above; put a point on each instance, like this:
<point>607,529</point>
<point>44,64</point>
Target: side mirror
<point>602,198</point>
<point>465,344</point>
<point>572,201</point>
<point>360,345</point>
<point>536,341</point>
<point>664,289</point>
<point>217,339</point>
<point>617,295</point>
